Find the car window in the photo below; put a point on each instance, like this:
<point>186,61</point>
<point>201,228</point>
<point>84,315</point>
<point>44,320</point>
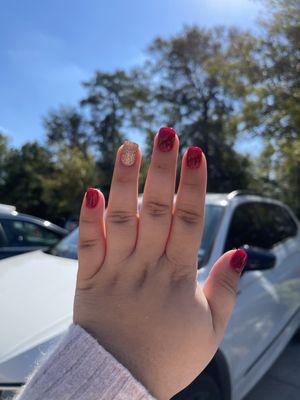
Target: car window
<point>23,233</point>
<point>3,239</point>
<point>244,227</point>
<point>213,214</point>
<point>259,224</point>
<point>213,217</point>
<point>285,226</point>
<point>67,247</point>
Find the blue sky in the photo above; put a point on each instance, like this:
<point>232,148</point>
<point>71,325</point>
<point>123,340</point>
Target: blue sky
<point>48,47</point>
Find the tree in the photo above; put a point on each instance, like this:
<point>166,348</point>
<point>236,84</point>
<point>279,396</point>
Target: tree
<point>4,151</point>
<point>25,171</point>
<point>210,84</point>
<point>111,104</point>
<point>272,108</point>
<point>63,190</point>
<point>67,127</point>
<point>196,92</point>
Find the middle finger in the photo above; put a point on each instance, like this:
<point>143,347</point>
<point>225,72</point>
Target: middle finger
<point>157,204</point>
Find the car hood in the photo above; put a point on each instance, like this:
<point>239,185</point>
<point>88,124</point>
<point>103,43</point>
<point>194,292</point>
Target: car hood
<point>36,300</point>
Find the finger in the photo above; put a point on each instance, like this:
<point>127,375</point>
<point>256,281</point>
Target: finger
<point>221,286</point>
<point>157,204</point>
<point>187,224</point>
<point>121,217</point>
<point>91,240</point>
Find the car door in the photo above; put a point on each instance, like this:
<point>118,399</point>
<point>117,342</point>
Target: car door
<point>260,312</point>
<point>287,251</point>
<point>19,236</point>
<point>10,239</point>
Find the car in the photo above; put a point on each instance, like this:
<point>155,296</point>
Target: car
<point>37,289</point>
<point>20,233</point>
<point>71,223</point>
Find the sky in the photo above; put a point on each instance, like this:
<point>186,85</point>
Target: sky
<point>48,47</point>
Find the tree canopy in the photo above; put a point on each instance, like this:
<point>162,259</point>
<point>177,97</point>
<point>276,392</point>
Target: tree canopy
<point>216,87</point>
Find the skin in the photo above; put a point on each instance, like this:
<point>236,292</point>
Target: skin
<point>137,292</point>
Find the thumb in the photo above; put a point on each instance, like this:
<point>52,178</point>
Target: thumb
<point>221,286</point>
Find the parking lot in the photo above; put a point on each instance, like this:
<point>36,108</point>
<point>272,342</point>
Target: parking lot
<point>282,381</point>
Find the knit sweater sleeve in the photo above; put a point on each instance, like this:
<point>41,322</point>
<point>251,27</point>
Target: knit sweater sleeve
<point>80,369</point>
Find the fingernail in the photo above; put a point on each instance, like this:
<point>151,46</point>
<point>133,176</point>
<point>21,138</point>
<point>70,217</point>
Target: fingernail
<point>129,152</point>
<point>92,197</point>
<point>194,157</point>
<point>166,139</point>
<point>238,260</point>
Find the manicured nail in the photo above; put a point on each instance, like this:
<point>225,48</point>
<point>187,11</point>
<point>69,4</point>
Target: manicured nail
<point>166,139</point>
<point>238,260</point>
<point>194,157</point>
<point>129,152</point>
<point>92,197</point>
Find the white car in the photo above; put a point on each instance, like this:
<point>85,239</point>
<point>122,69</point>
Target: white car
<point>37,288</point>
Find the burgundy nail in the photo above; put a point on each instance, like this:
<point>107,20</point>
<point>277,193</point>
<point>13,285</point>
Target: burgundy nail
<point>238,260</point>
<point>91,197</point>
<point>194,157</point>
<point>166,139</point>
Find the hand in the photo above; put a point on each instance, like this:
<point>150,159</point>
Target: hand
<point>137,291</point>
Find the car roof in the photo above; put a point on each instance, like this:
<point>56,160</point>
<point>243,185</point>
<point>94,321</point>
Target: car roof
<point>223,199</point>
<point>29,218</point>
<point>6,208</point>
<point>239,196</point>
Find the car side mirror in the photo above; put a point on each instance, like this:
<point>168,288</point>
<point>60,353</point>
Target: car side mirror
<point>258,259</point>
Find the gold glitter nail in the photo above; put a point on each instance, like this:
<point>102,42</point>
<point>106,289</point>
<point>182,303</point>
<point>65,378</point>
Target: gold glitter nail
<point>129,152</point>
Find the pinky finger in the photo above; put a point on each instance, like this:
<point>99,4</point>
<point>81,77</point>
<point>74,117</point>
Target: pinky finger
<point>91,240</point>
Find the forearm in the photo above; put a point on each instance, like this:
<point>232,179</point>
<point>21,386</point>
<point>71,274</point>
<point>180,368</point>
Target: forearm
<point>79,368</point>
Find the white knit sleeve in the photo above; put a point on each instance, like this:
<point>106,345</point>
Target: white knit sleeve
<point>80,369</point>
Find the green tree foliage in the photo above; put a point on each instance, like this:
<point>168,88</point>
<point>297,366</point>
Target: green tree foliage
<point>72,173</point>
<point>67,128</point>
<point>196,91</point>
<point>274,105</point>
<point>272,108</point>
<point>113,103</point>
<point>25,170</point>
<point>4,151</point>
<point>212,85</point>
<point>44,184</point>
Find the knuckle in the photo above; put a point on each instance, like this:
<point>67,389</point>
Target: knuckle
<point>156,208</point>
<point>191,186</point>
<point>225,282</point>
<point>123,179</point>
<point>121,217</point>
<point>178,269</point>
<point>87,243</point>
<point>161,166</point>
<point>88,221</point>
<point>189,216</point>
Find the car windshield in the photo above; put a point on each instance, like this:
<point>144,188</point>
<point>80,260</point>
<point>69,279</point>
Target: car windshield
<point>213,213</point>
